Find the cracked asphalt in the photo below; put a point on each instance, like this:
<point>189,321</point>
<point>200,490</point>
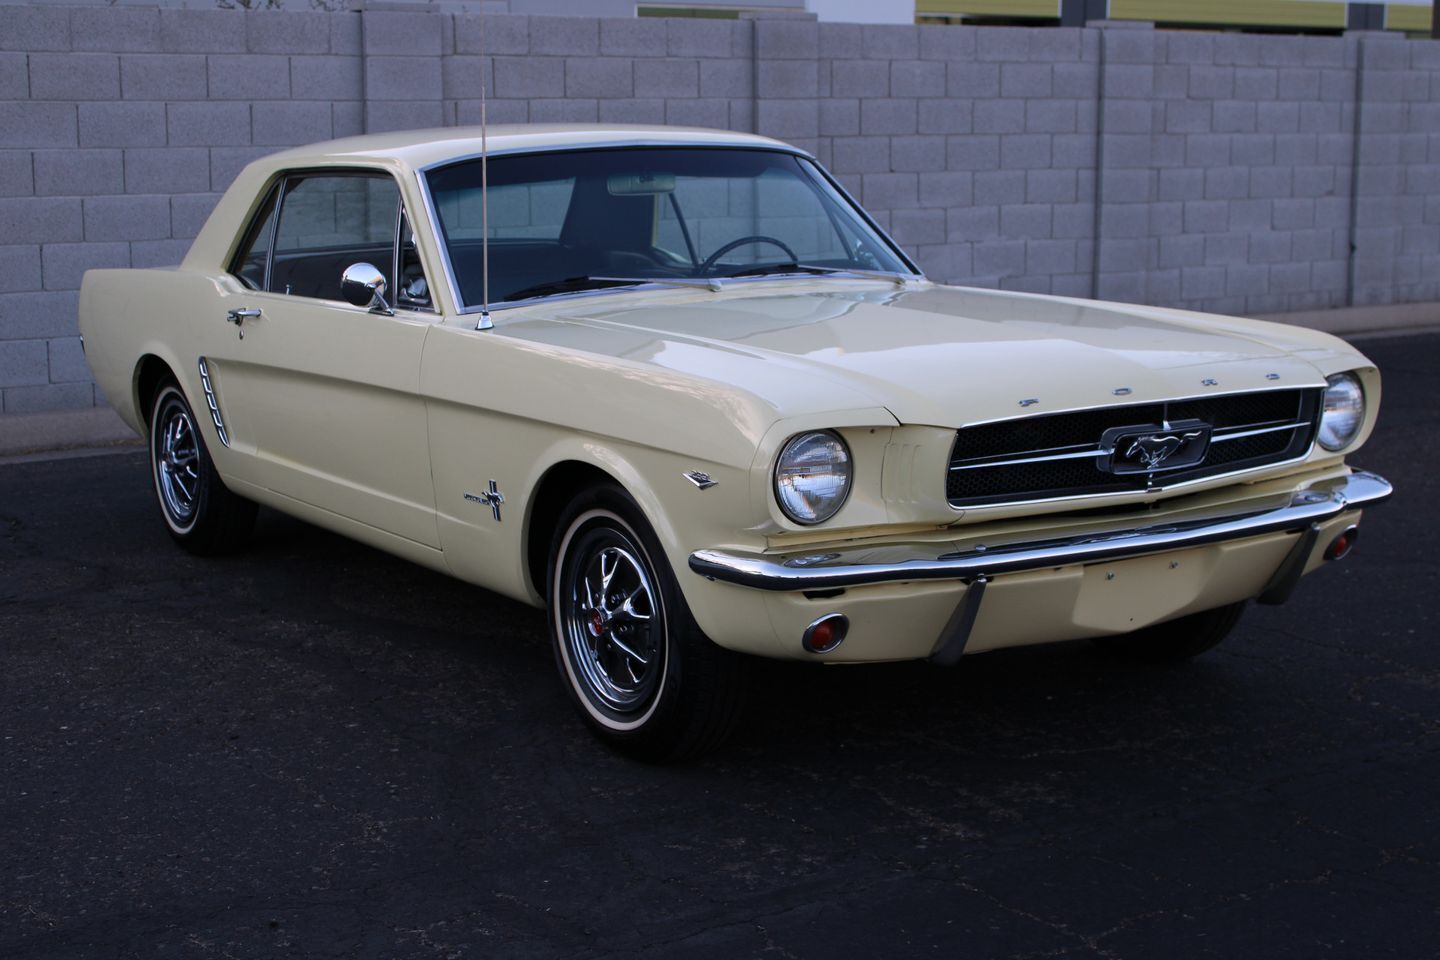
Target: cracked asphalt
<point>313,749</point>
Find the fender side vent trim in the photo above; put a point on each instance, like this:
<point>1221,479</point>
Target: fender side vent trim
<point>213,403</point>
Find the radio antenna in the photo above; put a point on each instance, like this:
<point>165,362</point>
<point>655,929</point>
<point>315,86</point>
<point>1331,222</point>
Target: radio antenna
<point>484,323</point>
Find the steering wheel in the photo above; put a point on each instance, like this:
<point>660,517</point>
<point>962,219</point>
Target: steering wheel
<point>714,258</point>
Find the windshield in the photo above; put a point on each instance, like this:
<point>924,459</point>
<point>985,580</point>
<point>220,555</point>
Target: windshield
<point>561,222</point>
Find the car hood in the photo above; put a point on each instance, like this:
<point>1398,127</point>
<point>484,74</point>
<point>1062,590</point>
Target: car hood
<point>931,354</point>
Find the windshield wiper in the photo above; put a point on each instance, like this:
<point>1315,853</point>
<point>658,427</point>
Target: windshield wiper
<point>708,283</point>
<point>568,285</point>
<point>577,284</point>
<point>787,269</point>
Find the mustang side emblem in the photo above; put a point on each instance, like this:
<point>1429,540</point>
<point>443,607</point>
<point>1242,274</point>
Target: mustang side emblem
<point>1156,449</point>
<point>491,498</point>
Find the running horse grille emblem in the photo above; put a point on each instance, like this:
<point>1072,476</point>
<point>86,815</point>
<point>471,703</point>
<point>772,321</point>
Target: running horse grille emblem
<point>1147,448</point>
<point>1155,450</point>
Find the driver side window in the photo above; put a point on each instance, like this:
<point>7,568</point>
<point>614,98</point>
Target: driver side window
<point>328,222</point>
<point>313,226</point>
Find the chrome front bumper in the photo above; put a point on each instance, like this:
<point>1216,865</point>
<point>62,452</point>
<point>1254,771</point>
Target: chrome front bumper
<point>870,564</point>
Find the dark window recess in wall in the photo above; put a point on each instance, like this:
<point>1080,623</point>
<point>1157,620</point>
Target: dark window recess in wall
<point>703,13</point>
<point>988,21</point>
<point>962,21</point>
<point>1251,28</point>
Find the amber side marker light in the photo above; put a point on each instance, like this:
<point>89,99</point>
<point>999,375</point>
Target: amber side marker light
<point>825,634</point>
<point>1341,546</point>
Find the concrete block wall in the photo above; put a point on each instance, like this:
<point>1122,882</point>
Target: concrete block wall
<point>1397,187</point>
<point>1234,173</point>
<point>119,129</point>
<point>1226,170</point>
<point>975,147</point>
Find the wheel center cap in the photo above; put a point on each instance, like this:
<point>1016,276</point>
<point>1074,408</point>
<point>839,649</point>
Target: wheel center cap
<point>597,622</point>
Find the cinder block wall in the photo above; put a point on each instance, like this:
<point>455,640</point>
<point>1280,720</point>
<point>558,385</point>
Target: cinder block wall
<point>1225,172</point>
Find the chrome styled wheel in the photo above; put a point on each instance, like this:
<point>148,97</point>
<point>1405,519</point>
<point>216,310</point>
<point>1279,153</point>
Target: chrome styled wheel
<point>610,625</point>
<point>177,464</point>
<point>200,512</point>
<point>175,449</point>
<point>633,659</point>
<point>611,618</point>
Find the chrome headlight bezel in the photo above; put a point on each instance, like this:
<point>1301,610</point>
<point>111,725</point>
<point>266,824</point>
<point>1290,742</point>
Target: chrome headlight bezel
<point>1342,414</point>
<point>787,470</point>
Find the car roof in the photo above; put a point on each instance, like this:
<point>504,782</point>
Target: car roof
<point>418,149</point>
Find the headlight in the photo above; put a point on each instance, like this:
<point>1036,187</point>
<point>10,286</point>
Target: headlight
<point>1344,411</point>
<point>812,476</point>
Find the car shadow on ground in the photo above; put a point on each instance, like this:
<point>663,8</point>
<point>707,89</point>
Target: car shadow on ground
<point>1022,702</point>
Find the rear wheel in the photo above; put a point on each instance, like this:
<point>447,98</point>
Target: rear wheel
<point>1176,639</point>
<point>201,513</point>
<point>632,657</point>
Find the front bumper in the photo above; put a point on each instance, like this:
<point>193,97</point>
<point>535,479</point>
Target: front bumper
<point>867,565</point>
<point>1073,576</point>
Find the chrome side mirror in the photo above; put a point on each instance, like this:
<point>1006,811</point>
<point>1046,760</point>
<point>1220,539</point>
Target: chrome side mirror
<point>363,285</point>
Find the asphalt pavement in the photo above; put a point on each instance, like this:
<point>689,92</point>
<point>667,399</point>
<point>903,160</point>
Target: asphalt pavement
<point>313,749</point>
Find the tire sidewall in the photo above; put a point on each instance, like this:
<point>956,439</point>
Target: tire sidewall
<point>601,510</point>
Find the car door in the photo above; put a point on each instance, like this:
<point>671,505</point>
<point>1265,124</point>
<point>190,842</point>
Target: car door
<point>323,394</point>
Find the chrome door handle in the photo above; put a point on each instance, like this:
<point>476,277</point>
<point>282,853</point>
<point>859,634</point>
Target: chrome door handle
<point>239,315</point>
<point>242,314</point>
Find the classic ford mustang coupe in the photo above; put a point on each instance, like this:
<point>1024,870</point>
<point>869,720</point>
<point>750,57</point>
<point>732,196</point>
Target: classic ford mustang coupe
<point>678,388</point>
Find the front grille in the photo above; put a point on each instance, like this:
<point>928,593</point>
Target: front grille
<point>1065,458</point>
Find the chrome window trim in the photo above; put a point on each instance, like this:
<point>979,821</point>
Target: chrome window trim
<point>437,235</point>
<point>274,231</point>
<point>446,269</point>
<point>274,188</point>
<point>395,246</point>
<point>916,273</point>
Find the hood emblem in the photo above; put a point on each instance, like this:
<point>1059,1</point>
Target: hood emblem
<point>1148,448</point>
<point>1030,402</point>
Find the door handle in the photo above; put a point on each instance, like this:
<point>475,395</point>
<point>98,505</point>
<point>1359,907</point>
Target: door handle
<point>242,314</point>
<point>239,315</point>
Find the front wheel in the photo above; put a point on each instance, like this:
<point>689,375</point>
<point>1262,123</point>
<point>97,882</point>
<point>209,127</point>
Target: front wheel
<point>1176,639</point>
<point>632,657</point>
<point>201,513</point>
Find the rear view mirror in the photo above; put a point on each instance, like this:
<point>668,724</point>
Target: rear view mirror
<point>640,184</point>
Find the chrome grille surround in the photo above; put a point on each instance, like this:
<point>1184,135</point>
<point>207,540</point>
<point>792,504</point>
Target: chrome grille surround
<point>1061,455</point>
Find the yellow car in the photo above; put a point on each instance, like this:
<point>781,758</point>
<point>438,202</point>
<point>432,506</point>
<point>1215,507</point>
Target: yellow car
<point>679,388</point>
